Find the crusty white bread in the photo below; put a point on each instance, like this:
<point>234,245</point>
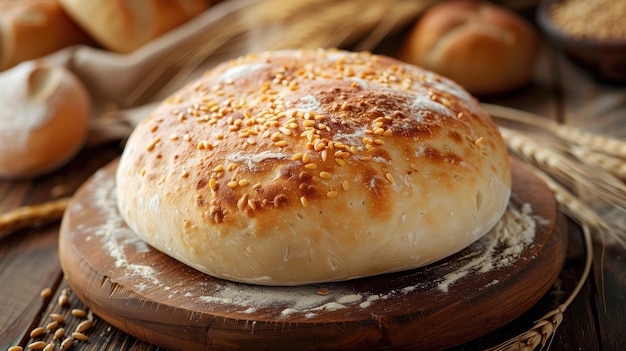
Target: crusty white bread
<point>44,119</point>
<point>293,167</point>
<point>486,48</point>
<point>30,29</point>
<point>123,25</point>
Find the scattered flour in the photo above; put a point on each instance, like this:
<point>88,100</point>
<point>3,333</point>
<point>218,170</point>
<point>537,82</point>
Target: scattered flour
<point>500,248</point>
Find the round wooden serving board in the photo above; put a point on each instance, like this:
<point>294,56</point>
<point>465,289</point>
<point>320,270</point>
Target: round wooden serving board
<point>156,298</point>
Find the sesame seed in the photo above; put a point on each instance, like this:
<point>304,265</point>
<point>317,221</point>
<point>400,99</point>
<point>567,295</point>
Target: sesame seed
<point>340,162</point>
<point>367,141</point>
<point>281,143</point>
<point>305,157</point>
<point>243,182</point>
<point>212,184</point>
<point>252,204</point>
<point>308,123</point>
<point>151,146</point>
<point>15,348</point>
<point>478,141</point>
<point>232,184</point>
<point>332,194</point>
<point>325,175</point>
<point>388,132</point>
<point>257,186</point>
<point>219,168</point>
<point>460,115</point>
<point>389,177</point>
<point>304,201</point>
<point>52,325</point>
<point>379,141</point>
<point>345,185</point>
<point>296,156</point>
<point>310,166</point>
<point>324,154</point>
<point>365,158</point>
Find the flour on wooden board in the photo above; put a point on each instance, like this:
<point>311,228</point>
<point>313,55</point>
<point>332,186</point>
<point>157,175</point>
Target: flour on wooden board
<point>499,248</point>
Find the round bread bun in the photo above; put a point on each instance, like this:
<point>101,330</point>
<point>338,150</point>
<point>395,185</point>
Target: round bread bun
<point>486,48</point>
<point>44,119</point>
<point>296,167</point>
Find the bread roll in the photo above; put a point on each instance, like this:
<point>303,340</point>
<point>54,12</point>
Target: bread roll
<point>30,29</point>
<point>123,25</point>
<point>294,167</point>
<point>486,48</point>
<point>44,119</point>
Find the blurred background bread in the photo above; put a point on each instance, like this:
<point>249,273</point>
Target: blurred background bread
<point>123,25</point>
<point>32,28</point>
<point>44,119</point>
<point>485,47</point>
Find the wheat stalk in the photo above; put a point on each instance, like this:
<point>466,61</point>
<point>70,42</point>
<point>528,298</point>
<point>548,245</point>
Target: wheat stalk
<point>611,164</point>
<point>542,332</point>
<point>28,216</point>
<point>567,169</point>
<point>566,134</point>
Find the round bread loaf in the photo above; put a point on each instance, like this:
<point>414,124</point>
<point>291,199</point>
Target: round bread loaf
<point>44,119</point>
<point>294,167</point>
<point>486,48</point>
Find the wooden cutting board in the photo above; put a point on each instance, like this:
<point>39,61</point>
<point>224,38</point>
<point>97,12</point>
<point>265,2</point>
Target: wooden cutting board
<point>156,298</point>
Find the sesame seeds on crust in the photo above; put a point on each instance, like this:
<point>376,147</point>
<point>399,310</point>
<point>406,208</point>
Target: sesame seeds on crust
<point>280,129</point>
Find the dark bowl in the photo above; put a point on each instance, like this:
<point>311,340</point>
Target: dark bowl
<point>603,58</point>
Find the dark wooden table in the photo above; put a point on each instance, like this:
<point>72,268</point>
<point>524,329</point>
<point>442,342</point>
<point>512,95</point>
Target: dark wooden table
<point>561,91</point>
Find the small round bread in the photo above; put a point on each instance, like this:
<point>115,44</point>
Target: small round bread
<point>44,119</point>
<point>486,48</point>
<point>296,167</point>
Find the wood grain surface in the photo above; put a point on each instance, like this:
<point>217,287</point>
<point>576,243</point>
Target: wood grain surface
<point>150,295</point>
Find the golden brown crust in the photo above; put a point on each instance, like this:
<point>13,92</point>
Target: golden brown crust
<point>123,26</point>
<point>311,149</point>
<point>30,29</point>
<point>484,47</point>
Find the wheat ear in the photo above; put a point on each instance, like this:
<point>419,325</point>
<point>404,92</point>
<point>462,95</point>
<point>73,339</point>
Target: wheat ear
<point>568,134</point>
<point>542,332</point>
<point>29,216</point>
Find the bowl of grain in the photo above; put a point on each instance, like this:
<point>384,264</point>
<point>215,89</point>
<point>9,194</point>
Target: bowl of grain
<point>591,32</point>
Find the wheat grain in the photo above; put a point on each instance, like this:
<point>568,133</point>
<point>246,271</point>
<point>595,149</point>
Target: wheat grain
<point>566,169</point>
<point>614,165</point>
